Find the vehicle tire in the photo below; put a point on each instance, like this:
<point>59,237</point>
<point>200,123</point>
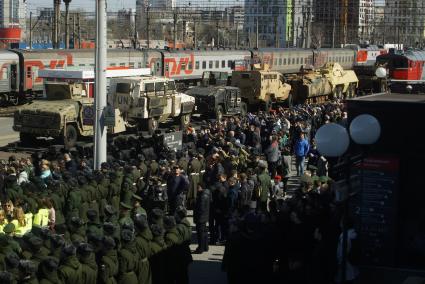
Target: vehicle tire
<point>4,99</point>
<point>27,139</point>
<point>152,125</point>
<point>184,120</point>
<point>70,136</point>
<point>219,113</point>
<point>337,93</point>
<point>244,109</point>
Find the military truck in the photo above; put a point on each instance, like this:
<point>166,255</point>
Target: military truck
<point>67,112</point>
<point>217,101</point>
<point>261,87</point>
<point>146,101</point>
<point>329,82</point>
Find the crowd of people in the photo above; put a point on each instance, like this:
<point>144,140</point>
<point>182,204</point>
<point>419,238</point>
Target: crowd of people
<point>63,222</point>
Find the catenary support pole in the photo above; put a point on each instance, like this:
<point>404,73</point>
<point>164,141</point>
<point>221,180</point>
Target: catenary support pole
<point>30,43</point>
<point>100,85</point>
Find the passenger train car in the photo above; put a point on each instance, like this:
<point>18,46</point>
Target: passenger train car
<point>19,69</point>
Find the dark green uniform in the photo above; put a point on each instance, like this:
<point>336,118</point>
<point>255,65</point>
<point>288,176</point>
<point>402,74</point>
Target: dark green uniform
<point>194,173</point>
<point>73,203</point>
<point>89,268</point>
<point>71,271</point>
<point>108,267</point>
<point>153,168</point>
<point>265,185</point>
<point>129,260</point>
<point>114,194</point>
<point>144,248</point>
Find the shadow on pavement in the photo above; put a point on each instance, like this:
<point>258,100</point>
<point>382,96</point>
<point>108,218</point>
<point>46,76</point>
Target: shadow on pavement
<point>206,272</point>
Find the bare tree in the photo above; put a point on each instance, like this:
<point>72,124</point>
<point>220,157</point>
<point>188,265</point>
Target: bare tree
<point>317,35</point>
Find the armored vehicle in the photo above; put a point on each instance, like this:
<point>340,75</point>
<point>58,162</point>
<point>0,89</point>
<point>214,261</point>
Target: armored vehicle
<point>260,88</point>
<point>218,101</point>
<point>328,82</point>
<point>144,102</point>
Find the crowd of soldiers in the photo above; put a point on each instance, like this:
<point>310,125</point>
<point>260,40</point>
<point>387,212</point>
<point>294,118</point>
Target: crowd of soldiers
<point>127,221</point>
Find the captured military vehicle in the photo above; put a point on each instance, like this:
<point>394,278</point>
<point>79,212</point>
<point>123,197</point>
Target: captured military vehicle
<point>67,112</point>
<point>144,102</point>
<point>328,82</point>
<point>260,88</point>
<point>218,101</point>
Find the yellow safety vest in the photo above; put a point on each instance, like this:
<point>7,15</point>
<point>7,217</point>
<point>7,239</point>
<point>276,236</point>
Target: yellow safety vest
<point>41,219</point>
<point>2,226</point>
<point>22,230</point>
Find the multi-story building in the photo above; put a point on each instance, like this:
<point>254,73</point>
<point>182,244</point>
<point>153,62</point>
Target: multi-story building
<point>344,21</point>
<point>273,18</point>
<point>302,17</point>
<point>12,19</point>
<point>405,20</point>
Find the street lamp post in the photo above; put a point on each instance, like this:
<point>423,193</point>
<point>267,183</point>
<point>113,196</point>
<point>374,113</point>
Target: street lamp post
<point>333,140</point>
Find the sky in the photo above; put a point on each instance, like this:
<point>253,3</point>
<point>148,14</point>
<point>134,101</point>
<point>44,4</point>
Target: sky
<point>114,5</point>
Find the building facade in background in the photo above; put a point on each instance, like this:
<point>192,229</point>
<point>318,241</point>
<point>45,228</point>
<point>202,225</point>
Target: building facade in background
<point>302,17</point>
<point>12,20</point>
<point>405,19</point>
<point>343,21</point>
<point>274,22</point>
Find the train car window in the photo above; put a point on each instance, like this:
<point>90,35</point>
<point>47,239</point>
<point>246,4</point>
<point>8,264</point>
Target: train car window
<point>159,86</point>
<point>81,64</point>
<point>217,64</point>
<point>122,64</point>
<point>223,64</point>
<point>280,61</point>
<point>275,61</point>
<point>139,65</point>
<point>5,73</point>
<point>123,88</point>
<point>112,64</point>
<point>183,66</point>
<point>229,63</point>
<point>284,61</point>
<point>131,65</point>
<point>293,61</point>
<point>197,65</point>
<point>190,66</point>
<point>302,60</point>
<point>211,65</point>
<point>298,60</point>
<point>204,65</point>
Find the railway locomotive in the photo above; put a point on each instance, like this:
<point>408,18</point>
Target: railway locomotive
<point>19,78</point>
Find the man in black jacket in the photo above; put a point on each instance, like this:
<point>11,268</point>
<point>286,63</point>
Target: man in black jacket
<point>201,217</point>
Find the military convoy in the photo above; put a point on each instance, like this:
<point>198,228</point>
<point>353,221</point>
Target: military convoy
<point>329,82</point>
<point>67,112</point>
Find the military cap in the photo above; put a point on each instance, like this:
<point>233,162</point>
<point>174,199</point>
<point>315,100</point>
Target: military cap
<point>27,267</point>
<point>57,240</point>
<point>109,242</point>
<point>128,226</point>
<point>50,263</point>
<point>137,197</point>
<point>201,151</point>
<point>35,243</point>
<point>315,178</point>
<point>156,214</point>
<point>109,209</point>
<point>7,278</point>
<point>77,221</point>
<point>262,164</point>
<point>85,248</point>
<point>69,250</point>
<point>12,260</point>
<point>81,180</point>
<point>141,222</point>
<point>95,238</point>
<point>45,233</point>
<point>104,166</point>
<point>324,179</point>
<point>126,206</point>
<point>9,228</point>
<point>91,214</point>
<point>157,230</point>
<point>169,222</point>
<point>127,235</point>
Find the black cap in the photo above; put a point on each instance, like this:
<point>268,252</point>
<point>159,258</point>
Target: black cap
<point>127,235</point>
<point>27,267</point>
<point>92,214</point>
<point>141,222</point>
<point>109,242</point>
<point>85,249</point>
<point>157,230</point>
<point>69,250</point>
<point>35,243</point>
<point>126,206</point>
<point>109,228</point>
<point>169,222</point>
<point>57,240</point>
<point>12,260</point>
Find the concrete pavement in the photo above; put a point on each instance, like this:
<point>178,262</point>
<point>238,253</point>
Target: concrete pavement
<point>7,135</point>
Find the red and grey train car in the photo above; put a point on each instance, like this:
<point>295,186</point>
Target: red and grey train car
<point>405,70</point>
<point>19,72</point>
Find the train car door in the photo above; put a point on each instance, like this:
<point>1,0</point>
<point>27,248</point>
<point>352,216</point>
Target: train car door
<point>29,77</point>
<point>13,77</point>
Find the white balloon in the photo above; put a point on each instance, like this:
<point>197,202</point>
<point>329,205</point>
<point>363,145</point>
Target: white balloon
<point>332,140</point>
<point>381,72</point>
<point>365,129</point>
